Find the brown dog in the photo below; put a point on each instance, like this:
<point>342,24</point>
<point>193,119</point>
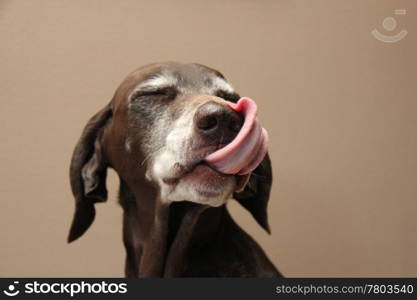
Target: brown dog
<point>163,120</point>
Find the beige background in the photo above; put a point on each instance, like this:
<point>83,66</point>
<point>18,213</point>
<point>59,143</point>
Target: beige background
<point>340,106</point>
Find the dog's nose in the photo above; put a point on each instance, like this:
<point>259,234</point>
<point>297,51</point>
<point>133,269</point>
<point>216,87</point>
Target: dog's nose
<point>217,122</point>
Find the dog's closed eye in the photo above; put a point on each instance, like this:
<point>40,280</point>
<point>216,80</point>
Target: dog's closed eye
<point>232,97</point>
<point>168,92</point>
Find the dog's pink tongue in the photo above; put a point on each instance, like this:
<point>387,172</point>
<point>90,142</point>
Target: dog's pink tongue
<point>248,148</point>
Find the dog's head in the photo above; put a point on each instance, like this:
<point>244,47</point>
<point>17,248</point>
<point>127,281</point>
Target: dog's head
<point>161,124</point>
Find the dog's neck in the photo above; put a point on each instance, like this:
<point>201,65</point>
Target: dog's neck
<point>162,233</point>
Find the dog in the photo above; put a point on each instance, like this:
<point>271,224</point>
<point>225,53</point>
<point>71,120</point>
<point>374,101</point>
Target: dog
<point>157,132</point>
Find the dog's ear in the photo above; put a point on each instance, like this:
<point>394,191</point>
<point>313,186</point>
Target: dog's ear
<point>255,195</point>
<point>88,173</point>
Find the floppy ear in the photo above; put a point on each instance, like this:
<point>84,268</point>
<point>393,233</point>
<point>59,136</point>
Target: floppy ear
<point>88,173</point>
<point>255,195</point>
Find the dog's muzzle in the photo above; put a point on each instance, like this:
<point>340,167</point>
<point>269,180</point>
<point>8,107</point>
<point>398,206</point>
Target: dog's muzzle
<point>217,123</point>
<point>247,150</point>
